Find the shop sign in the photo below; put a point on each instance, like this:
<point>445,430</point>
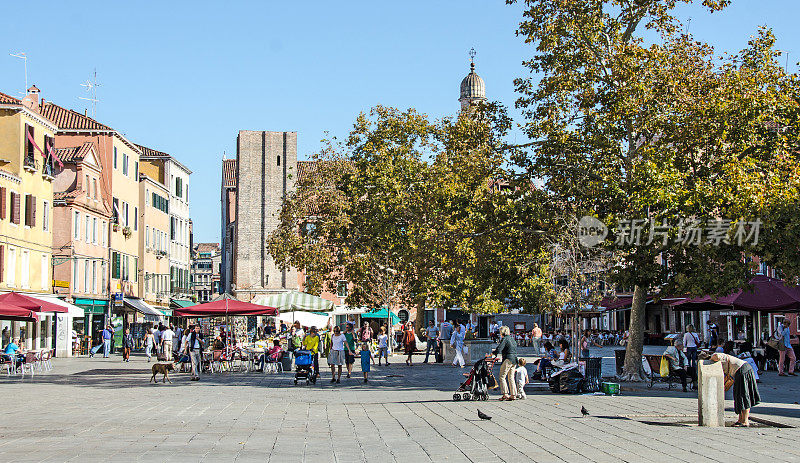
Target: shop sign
<point>61,284</point>
<point>734,313</point>
<point>118,299</point>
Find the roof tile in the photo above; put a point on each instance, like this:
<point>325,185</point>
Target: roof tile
<point>67,119</point>
<point>229,173</point>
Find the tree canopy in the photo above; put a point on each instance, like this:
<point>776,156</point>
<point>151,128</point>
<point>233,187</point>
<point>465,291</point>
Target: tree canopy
<point>428,205</point>
<point>668,141</point>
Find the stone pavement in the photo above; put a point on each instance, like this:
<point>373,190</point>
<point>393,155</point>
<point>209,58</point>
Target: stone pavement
<point>105,410</point>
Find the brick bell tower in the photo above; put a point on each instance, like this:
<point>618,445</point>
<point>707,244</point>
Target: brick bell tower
<point>266,165</point>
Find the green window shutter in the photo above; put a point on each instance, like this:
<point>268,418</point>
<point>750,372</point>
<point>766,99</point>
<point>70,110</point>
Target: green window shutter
<point>115,265</point>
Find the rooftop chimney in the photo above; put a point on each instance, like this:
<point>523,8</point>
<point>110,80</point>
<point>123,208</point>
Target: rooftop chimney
<point>31,100</point>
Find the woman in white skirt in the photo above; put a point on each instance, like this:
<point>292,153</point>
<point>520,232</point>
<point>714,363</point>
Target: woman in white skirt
<point>336,356</point>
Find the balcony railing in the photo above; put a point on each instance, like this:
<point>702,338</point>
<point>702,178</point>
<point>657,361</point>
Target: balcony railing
<point>31,163</point>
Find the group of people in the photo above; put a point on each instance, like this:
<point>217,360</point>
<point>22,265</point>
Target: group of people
<point>161,341</point>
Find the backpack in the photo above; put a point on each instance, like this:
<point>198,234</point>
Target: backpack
<point>296,342</point>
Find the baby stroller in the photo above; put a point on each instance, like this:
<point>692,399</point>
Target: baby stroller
<point>479,380</point>
<point>304,366</point>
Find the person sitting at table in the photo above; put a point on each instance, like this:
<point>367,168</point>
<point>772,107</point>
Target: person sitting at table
<point>727,347</point>
<point>219,342</point>
<point>273,355</point>
<point>13,352</point>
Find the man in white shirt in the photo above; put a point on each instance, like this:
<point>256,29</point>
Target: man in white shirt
<point>493,328</point>
<point>691,341</point>
<point>166,340</point>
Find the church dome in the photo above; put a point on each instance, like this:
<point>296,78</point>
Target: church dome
<point>472,87</point>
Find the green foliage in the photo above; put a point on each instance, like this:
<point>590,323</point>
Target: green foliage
<point>660,132</point>
<point>412,211</point>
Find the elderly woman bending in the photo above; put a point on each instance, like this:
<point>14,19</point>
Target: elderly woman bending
<point>739,374</point>
<point>508,350</point>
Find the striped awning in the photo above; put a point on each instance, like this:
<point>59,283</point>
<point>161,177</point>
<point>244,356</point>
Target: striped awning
<point>291,301</point>
<point>150,314</point>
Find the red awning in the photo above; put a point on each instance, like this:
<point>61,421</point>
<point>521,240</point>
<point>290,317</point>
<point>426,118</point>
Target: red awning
<point>11,312</point>
<point>223,307</point>
<point>31,303</point>
<point>763,294</point>
<point>621,302</point>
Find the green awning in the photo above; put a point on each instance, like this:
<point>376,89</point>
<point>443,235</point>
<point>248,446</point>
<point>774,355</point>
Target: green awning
<point>291,301</point>
<point>381,313</point>
<point>86,301</point>
<point>91,306</point>
<point>183,304</point>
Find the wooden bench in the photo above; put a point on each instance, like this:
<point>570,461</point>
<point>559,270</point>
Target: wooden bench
<point>654,362</point>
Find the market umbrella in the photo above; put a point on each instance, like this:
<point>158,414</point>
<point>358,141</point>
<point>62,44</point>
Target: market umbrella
<point>290,301</point>
<point>295,301</point>
<point>11,312</point>
<point>381,313</point>
<point>225,306</point>
<point>761,294</point>
<point>31,303</point>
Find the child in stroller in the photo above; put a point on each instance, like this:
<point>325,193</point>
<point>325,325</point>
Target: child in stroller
<point>479,380</point>
<point>304,367</point>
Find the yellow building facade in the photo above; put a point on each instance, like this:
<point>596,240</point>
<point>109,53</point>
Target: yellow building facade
<point>26,202</point>
<point>125,232</point>
<point>154,243</point>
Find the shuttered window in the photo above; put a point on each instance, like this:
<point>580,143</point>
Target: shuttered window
<point>2,203</point>
<point>115,265</point>
<point>15,208</point>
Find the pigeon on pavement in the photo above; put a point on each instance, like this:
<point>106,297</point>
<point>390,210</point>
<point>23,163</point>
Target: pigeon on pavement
<point>584,412</point>
<point>483,416</point>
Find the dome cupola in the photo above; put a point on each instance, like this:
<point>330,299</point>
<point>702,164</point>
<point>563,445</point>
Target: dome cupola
<point>473,90</point>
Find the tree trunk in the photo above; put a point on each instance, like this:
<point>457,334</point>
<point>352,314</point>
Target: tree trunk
<point>632,371</point>
<point>419,322</point>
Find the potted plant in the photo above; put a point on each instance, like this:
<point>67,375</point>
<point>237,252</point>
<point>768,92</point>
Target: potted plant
<point>127,232</point>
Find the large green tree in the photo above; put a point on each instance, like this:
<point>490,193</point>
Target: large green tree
<point>416,212</point>
<point>633,119</point>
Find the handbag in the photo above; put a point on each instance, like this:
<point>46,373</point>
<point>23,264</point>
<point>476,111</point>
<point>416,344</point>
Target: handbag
<point>773,343</point>
<point>664,367</point>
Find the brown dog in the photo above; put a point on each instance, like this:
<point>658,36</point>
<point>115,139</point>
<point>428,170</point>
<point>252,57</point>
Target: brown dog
<point>163,368</point>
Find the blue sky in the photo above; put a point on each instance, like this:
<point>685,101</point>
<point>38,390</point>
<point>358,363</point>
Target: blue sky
<point>185,77</point>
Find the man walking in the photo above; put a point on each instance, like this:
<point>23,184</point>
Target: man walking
<point>433,340</point>
<point>108,333</point>
<point>536,338</point>
<point>194,347</point>
<point>447,330</point>
<point>713,334</point>
<point>788,351</point>
<point>127,345</point>
<point>166,340</point>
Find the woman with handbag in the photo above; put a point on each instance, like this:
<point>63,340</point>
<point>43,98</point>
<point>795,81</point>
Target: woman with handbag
<point>409,342</point>
<point>739,374</point>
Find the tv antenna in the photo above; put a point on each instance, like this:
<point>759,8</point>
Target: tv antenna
<point>91,87</point>
<point>21,55</point>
